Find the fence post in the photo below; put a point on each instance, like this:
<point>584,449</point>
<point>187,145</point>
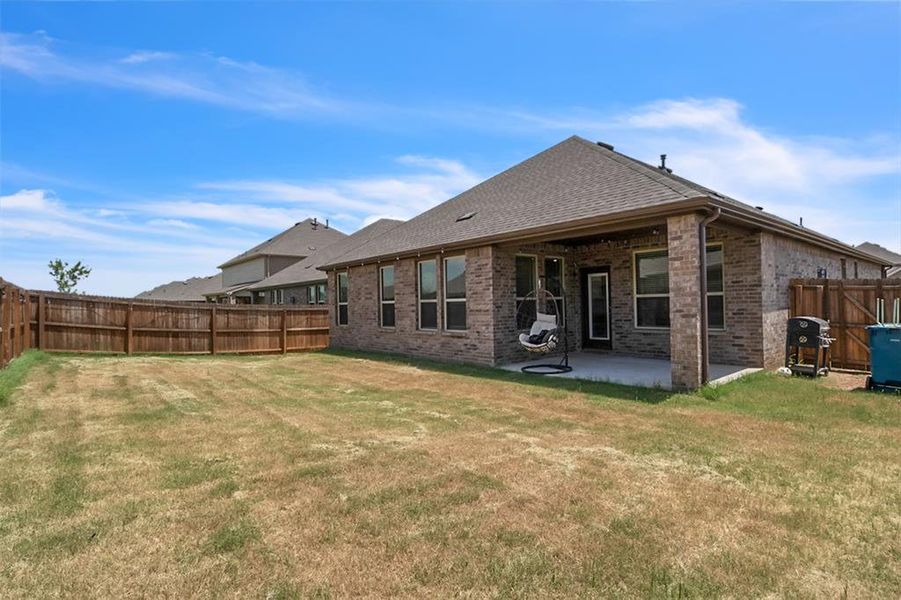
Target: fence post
<point>284,331</point>
<point>129,340</point>
<point>213,330</point>
<point>16,306</point>
<point>4,323</point>
<point>42,303</point>
<point>26,325</point>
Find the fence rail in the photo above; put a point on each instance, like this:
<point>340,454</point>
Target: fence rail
<point>850,306</point>
<point>73,323</point>
<point>15,311</point>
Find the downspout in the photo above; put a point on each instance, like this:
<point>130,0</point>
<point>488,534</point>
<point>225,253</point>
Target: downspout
<point>705,342</point>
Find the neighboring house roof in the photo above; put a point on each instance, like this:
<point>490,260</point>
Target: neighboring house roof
<point>307,270</point>
<point>576,183</point>
<point>302,239</point>
<point>190,290</point>
<point>893,258</point>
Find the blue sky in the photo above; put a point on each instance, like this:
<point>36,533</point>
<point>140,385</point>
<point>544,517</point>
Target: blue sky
<point>156,140</point>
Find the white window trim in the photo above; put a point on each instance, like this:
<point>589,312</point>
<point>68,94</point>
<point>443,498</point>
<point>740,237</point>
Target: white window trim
<point>338,302</point>
<point>636,295</point>
<point>449,300</point>
<point>420,301</point>
<point>721,294</point>
<point>382,300</point>
<point>518,299</point>
<point>322,287</point>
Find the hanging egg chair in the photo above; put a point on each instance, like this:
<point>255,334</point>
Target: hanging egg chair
<point>540,319</point>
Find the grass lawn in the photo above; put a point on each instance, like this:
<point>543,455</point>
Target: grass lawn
<point>328,475</point>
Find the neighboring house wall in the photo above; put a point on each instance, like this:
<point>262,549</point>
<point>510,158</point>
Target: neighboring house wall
<point>783,259</point>
<point>245,272</point>
<point>299,294</point>
<point>277,263</point>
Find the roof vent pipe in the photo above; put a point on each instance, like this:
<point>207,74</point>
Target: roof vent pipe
<point>663,166</point>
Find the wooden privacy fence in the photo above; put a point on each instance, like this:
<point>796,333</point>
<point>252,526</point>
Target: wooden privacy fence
<point>850,307</point>
<point>15,313</point>
<point>74,323</point>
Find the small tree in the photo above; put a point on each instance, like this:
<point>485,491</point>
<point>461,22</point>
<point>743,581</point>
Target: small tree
<point>67,277</point>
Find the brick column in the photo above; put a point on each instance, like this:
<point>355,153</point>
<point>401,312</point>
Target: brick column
<point>685,300</point>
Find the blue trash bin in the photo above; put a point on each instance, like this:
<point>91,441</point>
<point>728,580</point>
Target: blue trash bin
<point>885,356</point>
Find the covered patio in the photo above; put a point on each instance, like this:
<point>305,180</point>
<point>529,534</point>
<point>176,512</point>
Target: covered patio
<point>627,370</point>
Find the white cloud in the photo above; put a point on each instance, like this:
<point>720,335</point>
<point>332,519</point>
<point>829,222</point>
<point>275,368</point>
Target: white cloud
<point>203,78</point>
<point>825,180</point>
<point>239,214</point>
<point>143,56</point>
<point>361,200</point>
<point>31,200</point>
<point>127,256</point>
<point>171,223</point>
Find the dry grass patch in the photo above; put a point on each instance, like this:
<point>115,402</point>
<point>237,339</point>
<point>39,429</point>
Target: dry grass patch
<point>328,475</point>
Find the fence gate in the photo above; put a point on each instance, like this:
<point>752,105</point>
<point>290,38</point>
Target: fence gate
<point>850,307</point>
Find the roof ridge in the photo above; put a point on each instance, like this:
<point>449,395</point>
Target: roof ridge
<point>646,170</point>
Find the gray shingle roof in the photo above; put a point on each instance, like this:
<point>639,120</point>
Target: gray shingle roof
<point>573,181</point>
<point>298,240</point>
<point>307,270</point>
<point>885,254</point>
<point>189,290</point>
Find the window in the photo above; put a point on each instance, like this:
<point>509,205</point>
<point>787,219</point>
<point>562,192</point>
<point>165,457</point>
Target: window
<point>554,284</point>
<point>321,292</point>
<point>455,293</point>
<point>342,298</point>
<point>652,288</point>
<point>386,296</point>
<point>526,276</point>
<point>716,306</point>
<point>276,296</point>
<point>428,294</point>
<point>311,294</point>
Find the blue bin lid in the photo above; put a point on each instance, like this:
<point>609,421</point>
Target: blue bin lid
<point>884,327</point>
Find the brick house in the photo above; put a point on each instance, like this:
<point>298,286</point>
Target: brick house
<point>268,258</point>
<point>303,282</point>
<point>618,240</point>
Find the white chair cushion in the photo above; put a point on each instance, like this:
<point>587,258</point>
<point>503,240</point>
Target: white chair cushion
<point>544,322</point>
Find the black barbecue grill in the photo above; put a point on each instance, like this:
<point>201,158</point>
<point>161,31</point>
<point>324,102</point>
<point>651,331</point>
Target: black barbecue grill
<point>805,336</point>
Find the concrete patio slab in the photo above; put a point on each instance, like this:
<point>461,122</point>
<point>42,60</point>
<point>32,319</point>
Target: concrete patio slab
<point>644,372</point>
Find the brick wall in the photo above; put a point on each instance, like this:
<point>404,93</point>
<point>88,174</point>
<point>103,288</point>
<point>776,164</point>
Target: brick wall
<point>507,348</point>
<point>364,332</point>
<point>684,303</point>
<point>756,271</point>
<point>783,259</point>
